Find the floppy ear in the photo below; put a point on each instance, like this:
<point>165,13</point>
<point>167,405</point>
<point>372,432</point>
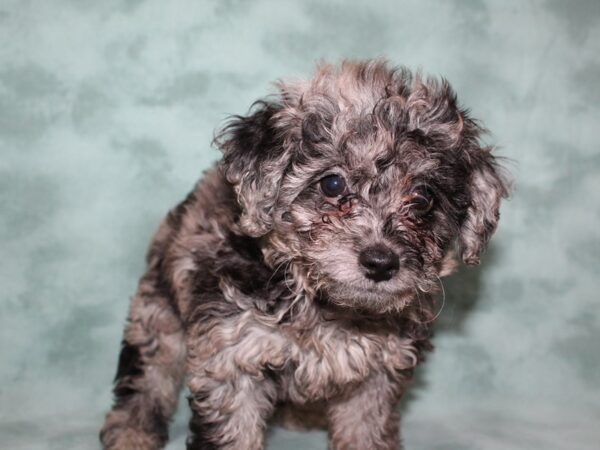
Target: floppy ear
<point>254,160</point>
<point>432,109</point>
<point>488,185</point>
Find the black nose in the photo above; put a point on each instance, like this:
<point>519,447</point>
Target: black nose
<point>381,262</point>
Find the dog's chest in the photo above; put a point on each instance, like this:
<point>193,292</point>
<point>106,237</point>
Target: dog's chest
<point>310,363</point>
<point>333,357</point>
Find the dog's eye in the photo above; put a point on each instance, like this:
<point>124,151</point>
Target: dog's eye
<point>333,185</point>
<point>420,201</point>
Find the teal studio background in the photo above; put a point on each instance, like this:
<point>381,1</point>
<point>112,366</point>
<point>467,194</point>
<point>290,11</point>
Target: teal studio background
<point>107,110</point>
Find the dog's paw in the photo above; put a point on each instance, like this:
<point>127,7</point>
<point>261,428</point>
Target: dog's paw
<point>118,438</point>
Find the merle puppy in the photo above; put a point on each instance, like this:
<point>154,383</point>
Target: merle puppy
<point>296,280</point>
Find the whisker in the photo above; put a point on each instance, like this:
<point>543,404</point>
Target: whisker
<point>443,302</point>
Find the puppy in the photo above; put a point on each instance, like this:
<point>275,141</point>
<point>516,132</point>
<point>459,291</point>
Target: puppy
<point>297,279</point>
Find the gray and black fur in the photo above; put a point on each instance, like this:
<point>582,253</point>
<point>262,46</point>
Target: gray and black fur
<point>275,300</point>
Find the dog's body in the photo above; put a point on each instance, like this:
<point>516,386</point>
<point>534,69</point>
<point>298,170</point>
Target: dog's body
<point>296,280</point>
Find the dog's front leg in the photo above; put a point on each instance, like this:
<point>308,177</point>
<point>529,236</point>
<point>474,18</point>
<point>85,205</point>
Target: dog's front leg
<point>366,417</point>
<point>231,394</point>
<point>229,414</point>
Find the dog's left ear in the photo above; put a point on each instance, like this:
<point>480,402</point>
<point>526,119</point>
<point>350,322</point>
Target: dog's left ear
<point>432,109</point>
<point>254,160</point>
<point>488,185</point>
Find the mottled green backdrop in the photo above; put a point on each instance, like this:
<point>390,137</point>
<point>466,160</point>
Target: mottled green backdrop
<point>107,110</point>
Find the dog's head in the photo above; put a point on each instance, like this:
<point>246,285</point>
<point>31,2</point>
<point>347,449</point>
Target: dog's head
<point>369,178</point>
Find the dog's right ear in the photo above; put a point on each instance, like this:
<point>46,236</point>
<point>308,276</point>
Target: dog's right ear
<point>254,160</point>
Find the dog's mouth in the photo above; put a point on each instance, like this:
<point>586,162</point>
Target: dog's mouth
<point>370,291</point>
<point>375,300</point>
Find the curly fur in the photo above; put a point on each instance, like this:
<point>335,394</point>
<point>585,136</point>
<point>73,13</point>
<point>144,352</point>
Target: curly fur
<point>253,288</point>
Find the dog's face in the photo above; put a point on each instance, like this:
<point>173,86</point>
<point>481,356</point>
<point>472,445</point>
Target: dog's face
<point>366,178</point>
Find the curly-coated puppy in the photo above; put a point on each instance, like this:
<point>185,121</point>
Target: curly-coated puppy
<point>297,279</point>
